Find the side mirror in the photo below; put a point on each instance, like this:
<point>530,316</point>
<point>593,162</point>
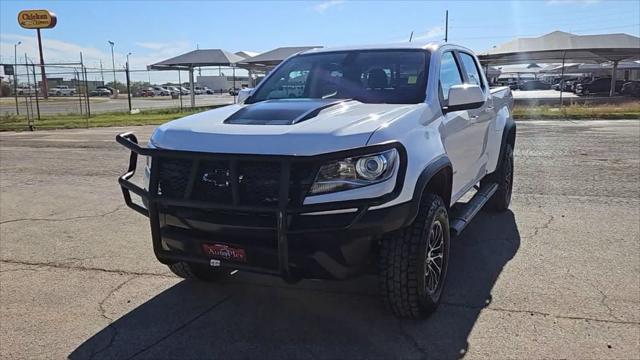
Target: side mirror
<point>243,94</point>
<point>464,97</point>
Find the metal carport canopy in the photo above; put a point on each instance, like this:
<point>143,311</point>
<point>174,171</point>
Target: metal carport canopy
<point>197,58</point>
<point>271,58</point>
<point>564,47</point>
<point>558,46</point>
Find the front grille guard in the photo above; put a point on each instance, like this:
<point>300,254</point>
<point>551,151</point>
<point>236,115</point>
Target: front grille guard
<point>282,211</point>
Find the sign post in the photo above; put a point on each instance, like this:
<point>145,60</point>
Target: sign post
<point>38,19</point>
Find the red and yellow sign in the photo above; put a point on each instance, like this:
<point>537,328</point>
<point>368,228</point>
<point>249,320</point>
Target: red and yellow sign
<point>37,19</point>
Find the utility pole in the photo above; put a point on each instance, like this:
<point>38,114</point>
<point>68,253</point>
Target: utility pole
<point>446,26</point>
<point>128,84</point>
<point>113,64</point>
<point>15,74</point>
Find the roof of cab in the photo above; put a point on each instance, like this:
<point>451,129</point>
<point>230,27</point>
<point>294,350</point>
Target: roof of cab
<point>405,45</point>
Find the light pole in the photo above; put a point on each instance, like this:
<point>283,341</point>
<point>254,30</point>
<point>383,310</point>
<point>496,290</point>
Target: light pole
<point>15,74</point>
<point>128,84</point>
<point>113,64</point>
<point>101,73</point>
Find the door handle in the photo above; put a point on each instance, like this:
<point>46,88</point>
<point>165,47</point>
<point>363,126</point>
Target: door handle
<point>473,117</point>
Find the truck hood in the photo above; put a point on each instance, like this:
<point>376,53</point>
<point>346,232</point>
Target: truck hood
<point>279,127</point>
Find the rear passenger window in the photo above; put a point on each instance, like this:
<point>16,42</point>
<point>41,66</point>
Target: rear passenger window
<point>449,74</point>
<point>471,69</point>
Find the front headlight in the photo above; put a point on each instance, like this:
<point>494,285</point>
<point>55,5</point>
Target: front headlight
<point>355,172</point>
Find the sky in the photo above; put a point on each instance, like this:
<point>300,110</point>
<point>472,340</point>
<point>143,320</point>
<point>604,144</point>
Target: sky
<point>156,30</point>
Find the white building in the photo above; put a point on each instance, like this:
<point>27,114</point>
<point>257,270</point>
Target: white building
<point>222,82</point>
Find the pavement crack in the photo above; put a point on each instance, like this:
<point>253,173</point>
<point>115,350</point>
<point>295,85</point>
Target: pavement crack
<point>540,313</point>
<point>537,229</point>
<point>603,297</point>
<point>103,313</point>
<point>176,330</point>
<point>64,219</point>
<point>65,266</point>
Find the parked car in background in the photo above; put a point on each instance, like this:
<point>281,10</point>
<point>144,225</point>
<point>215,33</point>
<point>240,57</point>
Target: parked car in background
<point>62,90</point>
<point>100,92</point>
<point>569,85</point>
<point>27,91</point>
<point>184,91</point>
<point>160,91</point>
<point>234,91</point>
<point>198,90</point>
<point>534,85</point>
<point>601,85</point>
<point>146,92</point>
<point>631,88</point>
<point>208,91</point>
<point>109,89</point>
<point>173,90</point>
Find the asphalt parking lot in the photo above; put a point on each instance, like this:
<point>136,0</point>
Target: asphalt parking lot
<point>558,276</point>
<point>71,105</point>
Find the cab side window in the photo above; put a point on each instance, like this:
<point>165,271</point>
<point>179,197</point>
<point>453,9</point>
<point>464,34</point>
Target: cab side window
<point>449,75</point>
<point>471,69</point>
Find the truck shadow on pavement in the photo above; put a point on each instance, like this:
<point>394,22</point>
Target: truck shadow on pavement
<point>252,316</point>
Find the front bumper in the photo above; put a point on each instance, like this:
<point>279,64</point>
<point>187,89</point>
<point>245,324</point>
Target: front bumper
<point>328,241</point>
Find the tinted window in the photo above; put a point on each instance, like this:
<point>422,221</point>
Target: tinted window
<point>471,69</point>
<point>449,74</point>
<point>380,76</point>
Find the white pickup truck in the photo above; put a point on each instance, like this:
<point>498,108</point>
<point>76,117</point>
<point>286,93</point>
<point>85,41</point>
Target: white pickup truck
<point>341,162</point>
<point>62,90</point>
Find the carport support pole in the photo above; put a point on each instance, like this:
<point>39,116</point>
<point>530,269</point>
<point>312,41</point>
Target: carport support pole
<point>612,90</point>
<point>191,94</point>
<point>180,92</point>
<point>233,67</point>
<point>562,77</point>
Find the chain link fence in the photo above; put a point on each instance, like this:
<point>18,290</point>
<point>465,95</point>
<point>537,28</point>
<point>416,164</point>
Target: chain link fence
<point>80,93</point>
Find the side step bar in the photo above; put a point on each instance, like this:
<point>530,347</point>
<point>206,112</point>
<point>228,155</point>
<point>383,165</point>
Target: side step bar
<point>463,214</point>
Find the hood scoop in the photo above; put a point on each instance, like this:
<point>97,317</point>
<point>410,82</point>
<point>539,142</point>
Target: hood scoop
<point>281,112</point>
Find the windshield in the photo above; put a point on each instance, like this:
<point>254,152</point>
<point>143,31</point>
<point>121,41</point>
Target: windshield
<point>372,76</point>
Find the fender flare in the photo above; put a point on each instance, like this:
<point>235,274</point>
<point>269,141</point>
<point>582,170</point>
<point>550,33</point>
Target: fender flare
<point>509,130</point>
<point>427,174</point>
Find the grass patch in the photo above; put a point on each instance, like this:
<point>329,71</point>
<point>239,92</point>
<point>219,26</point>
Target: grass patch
<point>629,110</point>
<point>72,121</point>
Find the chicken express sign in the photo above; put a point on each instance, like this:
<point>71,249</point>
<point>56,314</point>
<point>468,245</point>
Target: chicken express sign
<point>37,19</point>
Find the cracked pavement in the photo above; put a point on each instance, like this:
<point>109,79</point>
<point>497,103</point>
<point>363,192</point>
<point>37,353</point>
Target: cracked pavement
<point>558,276</point>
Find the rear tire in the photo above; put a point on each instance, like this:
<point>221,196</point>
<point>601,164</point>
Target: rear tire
<point>504,178</point>
<point>413,262</point>
<point>199,272</point>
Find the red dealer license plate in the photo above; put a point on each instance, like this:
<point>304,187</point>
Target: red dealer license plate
<point>224,252</point>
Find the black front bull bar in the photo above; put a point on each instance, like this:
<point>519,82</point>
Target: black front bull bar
<point>282,211</point>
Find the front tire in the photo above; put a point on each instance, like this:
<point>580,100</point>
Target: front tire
<point>191,271</point>
<point>414,260</point>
